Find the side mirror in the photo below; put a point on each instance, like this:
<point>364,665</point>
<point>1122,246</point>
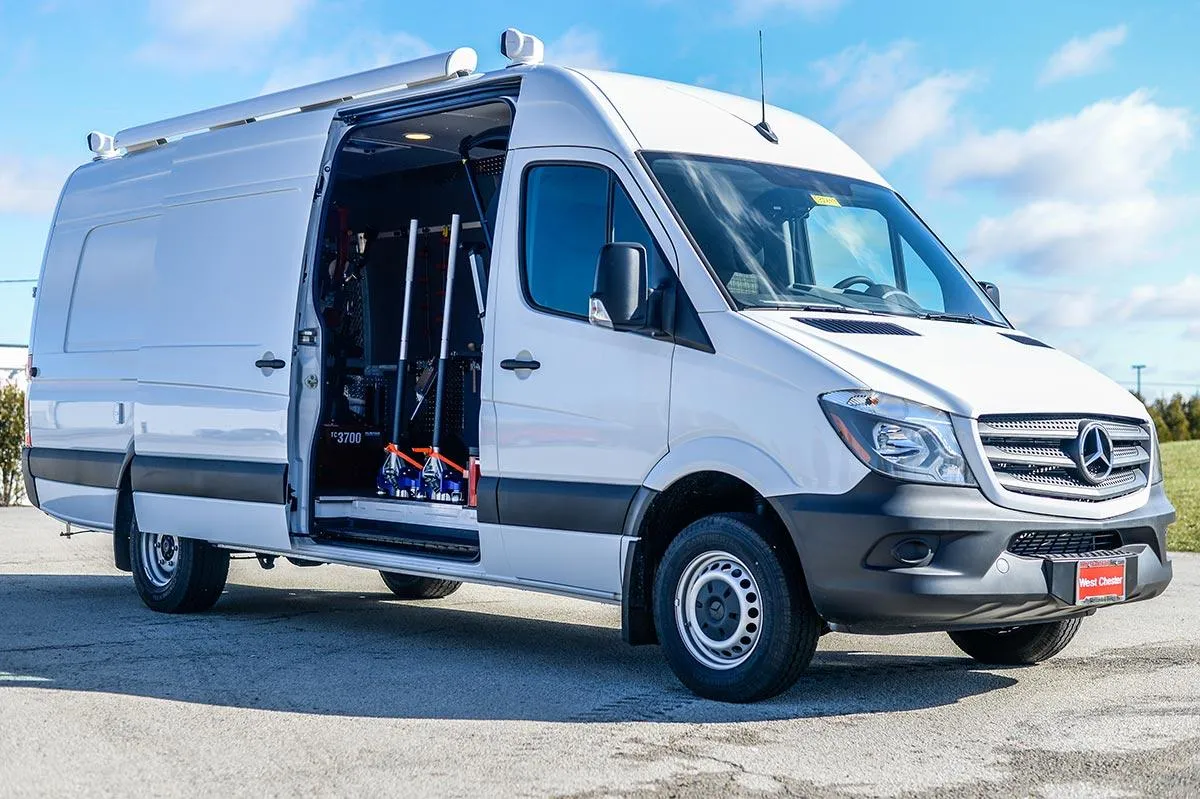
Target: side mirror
<point>992,290</point>
<point>620,296</point>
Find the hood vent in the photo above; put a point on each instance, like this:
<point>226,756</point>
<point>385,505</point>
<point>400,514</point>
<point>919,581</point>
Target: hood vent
<point>1032,342</point>
<point>857,326</point>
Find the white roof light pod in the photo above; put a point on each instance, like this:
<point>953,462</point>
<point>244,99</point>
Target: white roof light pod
<point>521,48</point>
<point>101,144</point>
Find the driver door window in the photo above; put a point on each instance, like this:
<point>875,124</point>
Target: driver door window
<point>847,242</point>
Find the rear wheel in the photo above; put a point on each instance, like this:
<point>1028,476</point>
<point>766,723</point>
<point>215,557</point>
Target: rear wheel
<point>1015,646</point>
<point>408,586</point>
<point>733,615</point>
<point>176,575</point>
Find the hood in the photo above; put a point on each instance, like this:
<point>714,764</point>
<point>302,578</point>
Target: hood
<point>966,369</point>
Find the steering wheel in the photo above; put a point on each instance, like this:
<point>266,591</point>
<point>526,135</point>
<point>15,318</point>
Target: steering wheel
<point>881,290</point>
<point>850,281</point>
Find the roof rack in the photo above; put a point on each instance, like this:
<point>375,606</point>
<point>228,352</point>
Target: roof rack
<point>437,67</point>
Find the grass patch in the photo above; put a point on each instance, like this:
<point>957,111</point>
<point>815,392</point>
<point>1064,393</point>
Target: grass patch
<point>1181,467</point>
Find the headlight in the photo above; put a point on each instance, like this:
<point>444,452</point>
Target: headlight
<point>1156,472</point>
<point>899,438</point>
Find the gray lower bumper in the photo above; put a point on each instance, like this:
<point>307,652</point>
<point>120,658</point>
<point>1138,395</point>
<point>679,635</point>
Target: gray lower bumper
<point>846,544</point>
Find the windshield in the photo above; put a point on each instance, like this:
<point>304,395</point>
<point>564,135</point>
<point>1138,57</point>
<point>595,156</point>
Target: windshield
<point>778,236</point>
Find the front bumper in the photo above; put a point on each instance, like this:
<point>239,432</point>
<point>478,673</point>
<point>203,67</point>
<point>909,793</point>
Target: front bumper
<point>846,545</point>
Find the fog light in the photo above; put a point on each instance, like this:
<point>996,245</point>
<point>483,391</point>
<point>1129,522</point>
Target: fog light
<point>913,552</point>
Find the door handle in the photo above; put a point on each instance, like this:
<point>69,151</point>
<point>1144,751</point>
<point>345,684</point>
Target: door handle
<point>512,364</point>
<point>270,363</point>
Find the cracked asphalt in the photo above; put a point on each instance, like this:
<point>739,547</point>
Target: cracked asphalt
<point>316,682</point>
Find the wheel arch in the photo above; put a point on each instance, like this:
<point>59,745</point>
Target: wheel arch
<point>656,517</point>
<point>123,514</point>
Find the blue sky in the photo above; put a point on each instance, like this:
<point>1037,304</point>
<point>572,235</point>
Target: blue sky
<point>1051,145</point>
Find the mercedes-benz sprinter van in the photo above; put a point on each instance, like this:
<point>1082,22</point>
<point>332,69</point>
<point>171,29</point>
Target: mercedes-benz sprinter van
<point>577,332</point>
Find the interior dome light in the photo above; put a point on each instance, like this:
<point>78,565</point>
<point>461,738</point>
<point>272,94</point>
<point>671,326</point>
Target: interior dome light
<point>414,136</point>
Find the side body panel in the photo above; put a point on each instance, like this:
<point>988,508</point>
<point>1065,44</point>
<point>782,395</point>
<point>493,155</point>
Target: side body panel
<point>87,328</point>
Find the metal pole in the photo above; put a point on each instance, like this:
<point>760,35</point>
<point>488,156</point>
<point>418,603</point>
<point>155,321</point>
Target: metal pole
<point>445,350</point>
<point>1138,367</point>
<point>487,234</point>
<point>400,366</point>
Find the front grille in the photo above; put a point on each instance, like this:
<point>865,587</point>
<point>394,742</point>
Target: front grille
<point>1036,455</point>
<point>1037,543</point>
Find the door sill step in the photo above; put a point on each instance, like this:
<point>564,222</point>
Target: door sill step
<point>440,542</point>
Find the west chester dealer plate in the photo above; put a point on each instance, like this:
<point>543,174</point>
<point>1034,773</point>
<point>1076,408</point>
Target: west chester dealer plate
<point>1099,581</point>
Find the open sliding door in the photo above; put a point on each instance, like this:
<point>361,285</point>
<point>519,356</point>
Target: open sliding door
<point>215,377</point>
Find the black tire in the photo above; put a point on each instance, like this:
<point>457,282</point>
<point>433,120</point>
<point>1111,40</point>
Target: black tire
<point>408,586</point>
<point>1017,646</point>
<point>785,624</point>
<point>193,584</point>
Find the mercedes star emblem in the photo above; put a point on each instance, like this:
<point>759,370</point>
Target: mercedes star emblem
<point>1094,453</point>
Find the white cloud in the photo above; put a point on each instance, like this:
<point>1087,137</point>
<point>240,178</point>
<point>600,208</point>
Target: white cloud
<point>363,50</point>
<point>29,187</point>
<point>886,107</point>
<point>756,9</point>
<point>1087,181</point>
<point>1031,310</point>
<point>217,34</point>
<point>1082,55</point>
<point>1154,302</point>
<point>579,47</point>
<point>864,76</point>
<point>1192,331</point>
<point>1061,235</point>
<point>917,115</point>
<point>1110,147</point>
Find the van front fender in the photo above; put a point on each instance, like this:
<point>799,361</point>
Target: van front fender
<point>729,456</point>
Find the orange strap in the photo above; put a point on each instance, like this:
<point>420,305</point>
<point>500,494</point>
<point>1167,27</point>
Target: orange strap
<point>429,451</point>
<point>392,448</point>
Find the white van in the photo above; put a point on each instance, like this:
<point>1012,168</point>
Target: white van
<point>577,332</point>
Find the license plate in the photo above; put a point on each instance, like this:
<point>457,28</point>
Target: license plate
<point>1098,581</point>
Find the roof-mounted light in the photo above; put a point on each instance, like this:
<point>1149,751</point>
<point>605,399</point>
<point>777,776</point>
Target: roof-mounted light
<point>521,48</point>
<point>101,144</point>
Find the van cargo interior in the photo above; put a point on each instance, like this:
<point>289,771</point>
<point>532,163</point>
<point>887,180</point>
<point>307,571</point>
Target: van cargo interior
<point>399,430</point>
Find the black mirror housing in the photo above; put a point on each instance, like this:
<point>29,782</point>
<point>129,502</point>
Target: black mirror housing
<point>992,290</point>
<point>621,293</point>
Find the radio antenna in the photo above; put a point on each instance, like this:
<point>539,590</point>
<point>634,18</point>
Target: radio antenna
<point>762,127</point>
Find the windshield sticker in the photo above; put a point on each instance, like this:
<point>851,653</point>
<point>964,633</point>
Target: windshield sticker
<point>823,199</point>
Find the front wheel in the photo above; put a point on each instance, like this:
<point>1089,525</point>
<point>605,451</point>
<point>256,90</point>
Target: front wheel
<point>176,575</point>
<point>732,611</point>
<point>1017,646</point>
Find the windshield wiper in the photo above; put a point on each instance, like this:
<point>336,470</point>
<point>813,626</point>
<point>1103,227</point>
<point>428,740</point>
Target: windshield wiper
<point>813,306</point>
<point>968,318</point>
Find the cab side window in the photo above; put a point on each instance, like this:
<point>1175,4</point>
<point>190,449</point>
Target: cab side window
<point>570,212</point>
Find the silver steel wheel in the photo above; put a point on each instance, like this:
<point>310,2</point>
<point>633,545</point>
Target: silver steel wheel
<point>718,610</point>
<point>160,557</point>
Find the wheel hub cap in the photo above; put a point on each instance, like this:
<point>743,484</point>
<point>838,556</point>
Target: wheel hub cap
<point>160,557</point>
<point>718,610</point>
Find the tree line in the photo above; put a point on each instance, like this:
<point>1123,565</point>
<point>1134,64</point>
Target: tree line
<point>12,435</point>
<point>1175,418</point>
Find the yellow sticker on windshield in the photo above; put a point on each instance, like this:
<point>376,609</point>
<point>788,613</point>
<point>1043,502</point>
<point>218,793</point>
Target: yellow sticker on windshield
<point>821,199</point>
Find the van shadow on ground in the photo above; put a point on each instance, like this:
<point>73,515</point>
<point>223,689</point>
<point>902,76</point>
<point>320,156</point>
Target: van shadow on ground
<point>362,654</point>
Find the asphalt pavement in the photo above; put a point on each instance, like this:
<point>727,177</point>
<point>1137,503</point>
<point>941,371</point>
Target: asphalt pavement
<point>315,681</point>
